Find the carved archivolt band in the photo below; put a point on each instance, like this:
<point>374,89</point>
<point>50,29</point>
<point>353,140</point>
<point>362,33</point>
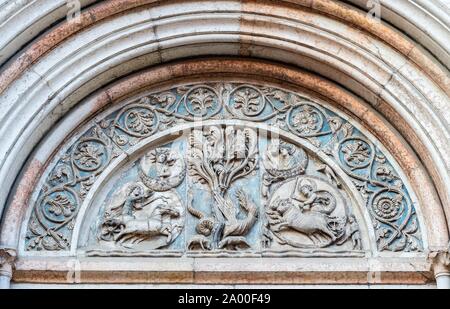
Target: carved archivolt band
<point>398,78</point>
<point>75,169</point>
<point>396,74</point>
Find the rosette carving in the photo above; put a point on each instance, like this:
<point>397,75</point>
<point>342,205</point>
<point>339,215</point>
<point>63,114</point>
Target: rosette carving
<point>222,156</point>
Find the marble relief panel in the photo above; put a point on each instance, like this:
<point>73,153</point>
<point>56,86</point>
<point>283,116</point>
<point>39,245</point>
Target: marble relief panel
<point>226,188</point>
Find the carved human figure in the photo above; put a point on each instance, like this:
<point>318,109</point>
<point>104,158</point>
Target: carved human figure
<point>305,195</point>
<point>162,165</point>
<point>137,193</point>
<point>313,208</point>
<point>137,230</point>
<point>130,197</point>
<point>134,217</point>
<point>149,209</point>
<point>308,196</point>
<point>282,161</point>
<point>311,223</point>
<point>280,156</point>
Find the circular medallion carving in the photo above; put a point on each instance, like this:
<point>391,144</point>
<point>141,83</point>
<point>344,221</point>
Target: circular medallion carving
<point>305,120</point>
<point>90,155</point>
<point>162,169</point>
<point>247,100</point>
<point>388,206</point>
<point>356,153</point>
<point>307,212</point>
<point>137,120</point>
<point>58,206</point>
<point>202,101</point>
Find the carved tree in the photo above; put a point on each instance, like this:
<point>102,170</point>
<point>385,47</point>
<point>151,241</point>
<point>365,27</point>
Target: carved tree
<point>218,158</point>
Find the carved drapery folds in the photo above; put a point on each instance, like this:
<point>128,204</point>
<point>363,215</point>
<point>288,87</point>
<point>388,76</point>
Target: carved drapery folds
<point>227,187</point>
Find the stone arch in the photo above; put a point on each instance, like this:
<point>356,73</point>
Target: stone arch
<point>101,100</point>
<point>401,90</point>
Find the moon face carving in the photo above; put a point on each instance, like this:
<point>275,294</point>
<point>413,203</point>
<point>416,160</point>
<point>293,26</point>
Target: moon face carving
<point>162,169</point>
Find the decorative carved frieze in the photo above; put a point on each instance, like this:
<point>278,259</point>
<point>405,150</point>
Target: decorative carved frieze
<point>230,188</point>
<point>66,187</point>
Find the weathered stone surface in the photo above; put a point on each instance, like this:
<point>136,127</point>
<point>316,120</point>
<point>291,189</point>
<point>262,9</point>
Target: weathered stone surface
<point>261,194</point>
<point>7,263</point>
<point>288,164</point>
<point>212,271</point>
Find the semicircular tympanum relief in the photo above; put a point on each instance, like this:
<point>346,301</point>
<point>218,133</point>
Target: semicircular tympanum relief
<point>258,170</point>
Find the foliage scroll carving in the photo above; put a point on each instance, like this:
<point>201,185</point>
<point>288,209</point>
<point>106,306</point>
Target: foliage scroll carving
<point>262,193</point>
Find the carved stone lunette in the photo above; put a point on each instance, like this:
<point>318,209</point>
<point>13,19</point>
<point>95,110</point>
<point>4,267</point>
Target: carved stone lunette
<point>385,195</point>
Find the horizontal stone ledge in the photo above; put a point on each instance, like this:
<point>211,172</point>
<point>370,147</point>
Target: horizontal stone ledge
<point>228,287</point>
<point>414,271</point>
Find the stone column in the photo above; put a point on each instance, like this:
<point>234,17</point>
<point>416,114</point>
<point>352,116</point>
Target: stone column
<point>7,259</point>
<point>441,267</point>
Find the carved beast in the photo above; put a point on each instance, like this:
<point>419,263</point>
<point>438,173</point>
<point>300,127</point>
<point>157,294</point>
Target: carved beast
<point>310,223</point>
<point>139,229</point>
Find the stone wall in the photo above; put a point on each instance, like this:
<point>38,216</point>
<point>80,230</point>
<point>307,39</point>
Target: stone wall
<point>307,140</point>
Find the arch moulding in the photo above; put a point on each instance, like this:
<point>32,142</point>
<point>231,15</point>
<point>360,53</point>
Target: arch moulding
<point>119,117</point>
<point>40,250</point>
